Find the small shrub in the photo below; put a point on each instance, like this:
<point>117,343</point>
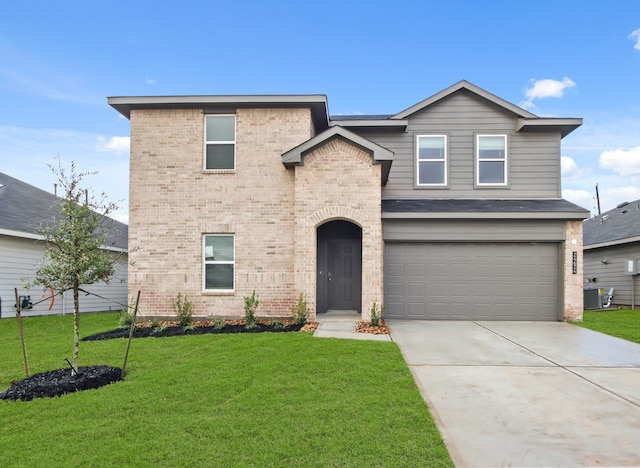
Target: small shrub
<point>376,314</point>
<point>219,324</point>
<point>125,318</point>
<point>191,326</point>
<point>155,323</point>
<point>160,328</point>
<point>276,324</point>
<point>250,306</point>
<point>184,310</point>
<point>299,311</point>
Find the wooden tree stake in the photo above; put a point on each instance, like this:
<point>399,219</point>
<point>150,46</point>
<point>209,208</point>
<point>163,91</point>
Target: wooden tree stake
<point>24,347</point>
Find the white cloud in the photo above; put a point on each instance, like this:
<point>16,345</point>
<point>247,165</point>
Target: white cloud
<point>635,36</point>
<point>541,89</point>
<point>570,169</point>
<point>579,197</point>
<point>150,81</point>
<point>624,162</point>
<point>610,198</point>
<point>116,144</point>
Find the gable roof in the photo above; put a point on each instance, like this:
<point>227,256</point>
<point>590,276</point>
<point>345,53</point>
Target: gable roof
<point>526,120</point>
<point>23,208</point>
<point>380,154</point>
<point>464,84</point>
<point>620,225</point>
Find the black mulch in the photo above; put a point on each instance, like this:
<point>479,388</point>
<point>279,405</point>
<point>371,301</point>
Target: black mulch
<point>58,382</point>
<point>158,332</point>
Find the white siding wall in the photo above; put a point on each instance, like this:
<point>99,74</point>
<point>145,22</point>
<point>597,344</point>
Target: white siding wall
<point>19,259</point>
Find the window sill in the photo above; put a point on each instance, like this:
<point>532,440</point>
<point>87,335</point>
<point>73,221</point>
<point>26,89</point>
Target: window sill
<point>221,292</point>
<point>219,171</point>
<point>431,187</point>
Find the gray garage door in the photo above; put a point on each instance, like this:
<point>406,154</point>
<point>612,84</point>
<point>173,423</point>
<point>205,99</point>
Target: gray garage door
<point>471,281</point>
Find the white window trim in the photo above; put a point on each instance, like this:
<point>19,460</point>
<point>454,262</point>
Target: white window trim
<point>220,142</point>
<point>505,160</point>
<point>445,160</point>
<point>217,262</point>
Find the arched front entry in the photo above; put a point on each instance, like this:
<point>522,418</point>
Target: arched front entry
<point>339,261</point>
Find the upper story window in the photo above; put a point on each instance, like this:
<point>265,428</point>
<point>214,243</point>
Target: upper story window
<point>491,160</point>
<point>431,160</point>
<point>220,147</point>
<point>219,262</point>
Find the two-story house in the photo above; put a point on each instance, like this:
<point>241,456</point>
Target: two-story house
<point>450,209</point>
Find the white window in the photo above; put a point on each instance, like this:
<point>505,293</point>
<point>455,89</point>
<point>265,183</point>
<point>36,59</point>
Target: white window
<point>491,159</point>
<point>219,262</point>
<point>431,160</point>
<point>220,145</point>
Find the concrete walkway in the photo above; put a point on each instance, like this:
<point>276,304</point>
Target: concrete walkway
<point>527,393</point>
<point>342,324</point>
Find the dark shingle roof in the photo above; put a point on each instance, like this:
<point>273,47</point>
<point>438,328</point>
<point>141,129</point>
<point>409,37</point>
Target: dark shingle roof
<point>481,206</point>
<point>361,117</point>
<point>614,226</point>
<point>23,208</point>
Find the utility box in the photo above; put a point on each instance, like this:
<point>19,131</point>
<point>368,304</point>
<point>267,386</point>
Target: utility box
<point>631,266</point>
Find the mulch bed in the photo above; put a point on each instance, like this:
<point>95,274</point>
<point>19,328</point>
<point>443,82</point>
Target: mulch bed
<point>169,328</point>
<point>366,327</point>
<point>58,382</point>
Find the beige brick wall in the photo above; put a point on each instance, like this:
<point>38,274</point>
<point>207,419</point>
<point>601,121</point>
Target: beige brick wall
<point>573,283</point>
<point>173,203</point>
<point>338,181</point>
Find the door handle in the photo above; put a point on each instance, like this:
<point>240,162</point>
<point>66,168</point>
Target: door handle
<point>329,276</point>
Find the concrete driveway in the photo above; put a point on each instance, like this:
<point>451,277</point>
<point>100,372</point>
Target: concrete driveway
<point>527,393</point>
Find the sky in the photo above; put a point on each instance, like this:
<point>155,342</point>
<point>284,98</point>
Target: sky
<point>59,61</point>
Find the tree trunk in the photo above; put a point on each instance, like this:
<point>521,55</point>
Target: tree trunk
<point>76,327</point>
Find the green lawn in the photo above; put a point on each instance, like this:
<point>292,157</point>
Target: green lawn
<point>217,400</point>
<point>621,323</point>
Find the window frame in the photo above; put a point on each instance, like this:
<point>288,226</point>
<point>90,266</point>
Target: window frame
<point>444,161</point>
<point>219,142</point>
<point>206,262</point>
<point>504,160</point>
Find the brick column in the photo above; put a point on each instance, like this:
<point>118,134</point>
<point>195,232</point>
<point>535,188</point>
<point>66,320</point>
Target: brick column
<point>573,306</point>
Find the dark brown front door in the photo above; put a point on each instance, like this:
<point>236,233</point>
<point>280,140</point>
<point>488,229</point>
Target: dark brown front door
<point>343,274</point>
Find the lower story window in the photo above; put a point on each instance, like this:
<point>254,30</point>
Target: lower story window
<point>219,262</point>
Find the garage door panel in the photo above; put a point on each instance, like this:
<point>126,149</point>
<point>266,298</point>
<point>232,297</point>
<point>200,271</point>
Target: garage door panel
<point>472,281</point>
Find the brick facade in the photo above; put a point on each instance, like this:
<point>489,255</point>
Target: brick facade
<point>174,202</point>
<point>338,181</point>
<point>573,283</point>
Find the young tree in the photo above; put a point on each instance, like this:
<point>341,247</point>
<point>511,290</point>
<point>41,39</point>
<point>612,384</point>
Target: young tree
<point>76,238</point>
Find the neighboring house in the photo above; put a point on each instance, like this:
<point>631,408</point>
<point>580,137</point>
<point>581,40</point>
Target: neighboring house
<point>610,241</point>
<point>23,208</point>
<point>450,209</point>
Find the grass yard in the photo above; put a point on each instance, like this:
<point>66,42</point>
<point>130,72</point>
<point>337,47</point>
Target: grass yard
<point>622,323</point>
<point>269,399</point>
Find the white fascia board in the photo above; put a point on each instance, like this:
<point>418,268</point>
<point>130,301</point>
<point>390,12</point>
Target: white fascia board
<point>40,237</point>
<point>20,234</point>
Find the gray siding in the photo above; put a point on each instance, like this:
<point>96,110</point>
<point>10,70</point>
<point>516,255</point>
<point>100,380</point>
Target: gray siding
<point>18,261</point>
<point>611,274</point>
<point>533,158</point>
<point>473,230</point>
